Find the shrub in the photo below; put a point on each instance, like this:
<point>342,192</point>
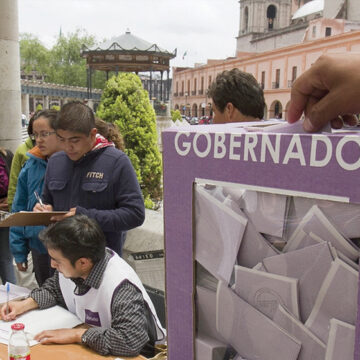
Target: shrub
<point>125,103</point>
<point>175,115</point>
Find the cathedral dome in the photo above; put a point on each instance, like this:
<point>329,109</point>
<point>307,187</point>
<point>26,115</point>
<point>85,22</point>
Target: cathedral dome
<point>309,8</point>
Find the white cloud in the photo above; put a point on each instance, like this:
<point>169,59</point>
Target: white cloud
<point>203,28</point>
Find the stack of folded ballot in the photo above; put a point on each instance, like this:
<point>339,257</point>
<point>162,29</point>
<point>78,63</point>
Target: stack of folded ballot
<point>276,276</point>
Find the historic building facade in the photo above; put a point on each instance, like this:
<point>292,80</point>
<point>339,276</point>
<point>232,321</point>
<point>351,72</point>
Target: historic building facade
<point>278,40</point>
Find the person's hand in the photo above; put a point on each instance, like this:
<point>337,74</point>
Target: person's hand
<point>22,266</point>
<point>328,91</point>
<point>4,204</point>
<point>15,308</point>
<point>60,336</point>
<point>70,213</point>
<point>45,207</point>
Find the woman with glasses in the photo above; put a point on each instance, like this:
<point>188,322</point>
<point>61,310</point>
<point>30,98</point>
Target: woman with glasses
<point>19,161</point>
<point>29,185</point>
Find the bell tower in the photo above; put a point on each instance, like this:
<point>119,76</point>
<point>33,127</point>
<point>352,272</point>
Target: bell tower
<point>260,16</point>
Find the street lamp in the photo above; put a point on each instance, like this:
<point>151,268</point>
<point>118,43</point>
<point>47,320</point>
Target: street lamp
<point>186,95</point>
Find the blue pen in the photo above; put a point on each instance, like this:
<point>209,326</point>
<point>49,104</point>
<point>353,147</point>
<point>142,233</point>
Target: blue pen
<point>7,297</point>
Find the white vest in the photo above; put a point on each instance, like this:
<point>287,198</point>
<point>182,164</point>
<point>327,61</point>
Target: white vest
<point>94,307</point>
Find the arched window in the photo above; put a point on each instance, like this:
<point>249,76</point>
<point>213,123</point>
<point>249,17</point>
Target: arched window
<point>246,19</point>
<point>271,15</point>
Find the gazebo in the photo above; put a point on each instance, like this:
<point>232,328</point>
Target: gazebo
<point>128,53</point>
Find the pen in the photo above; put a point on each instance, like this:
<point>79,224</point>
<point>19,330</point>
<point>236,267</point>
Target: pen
<point>38,198</point>
<point>7,297</point>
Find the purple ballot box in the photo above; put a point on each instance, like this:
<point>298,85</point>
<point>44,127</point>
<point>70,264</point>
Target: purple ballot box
<point>235,196</point>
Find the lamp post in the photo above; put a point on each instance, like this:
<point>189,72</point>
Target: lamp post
<point>186,95</point>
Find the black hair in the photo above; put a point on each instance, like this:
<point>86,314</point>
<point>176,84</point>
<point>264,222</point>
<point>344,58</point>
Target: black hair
<point>239,88</point>
<point>77,117</point>
<point>76,237</point>
<point>50,115</point>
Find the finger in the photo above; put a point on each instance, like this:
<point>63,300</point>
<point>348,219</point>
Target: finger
<point>45,340</point>
<point>323,111</point>
<point>57,218</point>
<point>8,317</point>
<point>337,123</point>
<point>297,105</point>
<point>40,335</point>
<point>301,91</point>
<point>2,311</point>
<point>350,119</point>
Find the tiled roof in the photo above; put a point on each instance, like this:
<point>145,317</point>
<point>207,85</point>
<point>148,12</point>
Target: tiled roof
<point>128,42</point>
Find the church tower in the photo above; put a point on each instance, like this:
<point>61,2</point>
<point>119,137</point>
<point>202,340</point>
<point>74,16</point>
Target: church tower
<point>260,16</point>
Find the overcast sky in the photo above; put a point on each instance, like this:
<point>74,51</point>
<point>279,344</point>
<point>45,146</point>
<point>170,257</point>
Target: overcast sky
<point>202,28</point>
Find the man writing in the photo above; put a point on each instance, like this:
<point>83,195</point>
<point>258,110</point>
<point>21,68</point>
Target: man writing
<point>98,286</point>
<point>91,177</point>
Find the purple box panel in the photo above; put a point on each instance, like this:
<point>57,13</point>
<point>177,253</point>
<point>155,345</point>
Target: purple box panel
<point>320,164</point>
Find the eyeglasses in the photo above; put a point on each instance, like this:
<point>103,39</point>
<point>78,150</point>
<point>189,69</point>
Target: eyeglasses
<point>42,135</point>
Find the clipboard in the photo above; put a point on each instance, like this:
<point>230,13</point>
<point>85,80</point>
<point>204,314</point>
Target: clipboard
<point>27,218</point>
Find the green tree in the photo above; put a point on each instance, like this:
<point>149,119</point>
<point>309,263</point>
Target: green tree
<point>175,115</point>
<point>62,64</point>
<point>67,65</point>
<point>34,55</point>
<point>125,103</point>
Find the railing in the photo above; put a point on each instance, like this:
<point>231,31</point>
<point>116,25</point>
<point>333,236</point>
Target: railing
<point>193,92</point>
<point>201,92</point>
<point>290,82</point>
<point>275,85</point>
<point>176,94</point>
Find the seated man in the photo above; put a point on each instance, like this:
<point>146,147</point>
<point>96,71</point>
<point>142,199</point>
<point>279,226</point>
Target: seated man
<point>237,97</point>
<point>98,286</point>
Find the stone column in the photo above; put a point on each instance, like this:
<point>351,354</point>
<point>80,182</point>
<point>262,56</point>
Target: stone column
<point>46,102</point>
<point>25,105</point>
<point>10,90</point>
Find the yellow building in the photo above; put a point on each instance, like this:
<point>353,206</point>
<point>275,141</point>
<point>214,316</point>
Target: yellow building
<point>278,40</point>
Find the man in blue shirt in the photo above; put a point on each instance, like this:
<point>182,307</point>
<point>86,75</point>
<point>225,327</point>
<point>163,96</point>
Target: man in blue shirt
<point>91,177</point>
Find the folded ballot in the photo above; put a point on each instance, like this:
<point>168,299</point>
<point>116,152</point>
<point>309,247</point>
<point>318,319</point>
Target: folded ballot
<point>309,265</point>
<point>341,279</point>
<point>341,341</point>
<point>266,211</point>
<point>254,247</point>
<point>252,334</point>
<point>206,313</point>
<point>316,222</point>
<point>265,291</point>
<point>218,234</point>
<point>344,216</point>
<point>207,348</point>
<point>312,348</point>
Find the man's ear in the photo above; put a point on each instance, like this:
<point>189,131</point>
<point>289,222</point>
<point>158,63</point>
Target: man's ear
<point>229,111</point>
<point>84,263</point>
<point>93,133</point>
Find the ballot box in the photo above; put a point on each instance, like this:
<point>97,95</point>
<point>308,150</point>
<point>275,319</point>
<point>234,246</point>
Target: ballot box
<point>262,234</point>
